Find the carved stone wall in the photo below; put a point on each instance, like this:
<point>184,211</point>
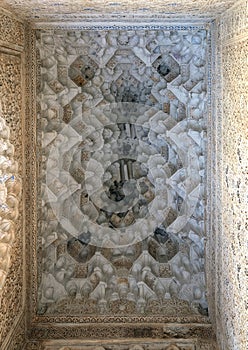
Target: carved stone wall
<point>231,288</point>
<point>11,231</point>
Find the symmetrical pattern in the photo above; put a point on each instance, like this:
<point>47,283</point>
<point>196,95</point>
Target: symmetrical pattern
<point>122,171</point>
<point>68,10</point>
<point>229,244</point>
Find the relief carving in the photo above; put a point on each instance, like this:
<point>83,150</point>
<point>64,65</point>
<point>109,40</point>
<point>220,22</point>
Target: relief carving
<point>121,222</point>
<point>11,30</point>
<point>74,254</point>
<point>11,236</point>
<point>144,345</point>
<point>46,11</point>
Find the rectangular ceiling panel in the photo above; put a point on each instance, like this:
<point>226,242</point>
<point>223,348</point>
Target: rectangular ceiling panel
<point>122,168</point>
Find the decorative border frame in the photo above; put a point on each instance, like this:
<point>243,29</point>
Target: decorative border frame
<point>114,23</point>
<point>205,10</point>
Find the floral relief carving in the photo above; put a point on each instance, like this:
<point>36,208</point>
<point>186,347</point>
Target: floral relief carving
<point>11,30</point>
<point>10,190</point>
<point>11,237</point>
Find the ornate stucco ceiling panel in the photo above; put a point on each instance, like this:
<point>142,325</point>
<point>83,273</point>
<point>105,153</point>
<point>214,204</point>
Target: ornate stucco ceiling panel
<point>122,131</point>
<point>64,10</point>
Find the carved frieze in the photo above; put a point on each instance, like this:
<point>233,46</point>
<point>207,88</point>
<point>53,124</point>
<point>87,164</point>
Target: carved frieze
<point>45,11</point>
<point>124,344</point>
<point>165,345</point>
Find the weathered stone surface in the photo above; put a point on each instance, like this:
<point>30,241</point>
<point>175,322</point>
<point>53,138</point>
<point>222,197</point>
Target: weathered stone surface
<point>231,181</point>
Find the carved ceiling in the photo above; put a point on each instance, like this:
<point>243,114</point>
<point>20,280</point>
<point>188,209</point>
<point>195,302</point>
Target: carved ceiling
<point>65,10</point>
<point>122,129</point>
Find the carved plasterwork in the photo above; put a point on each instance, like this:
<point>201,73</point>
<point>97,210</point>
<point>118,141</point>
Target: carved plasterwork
<point>10,190</point>
<point>230,318</point>
<point>233,23</point>
<point>30,169</point>
<point>11,237</point>
<point>34,345</point>
<point>114,104</point>
<point>122,345</point>
<point>124,330</point>
<point>11,30</point>
<point>18,337</point>
<point>11,98</point>
<point>71,11</point>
